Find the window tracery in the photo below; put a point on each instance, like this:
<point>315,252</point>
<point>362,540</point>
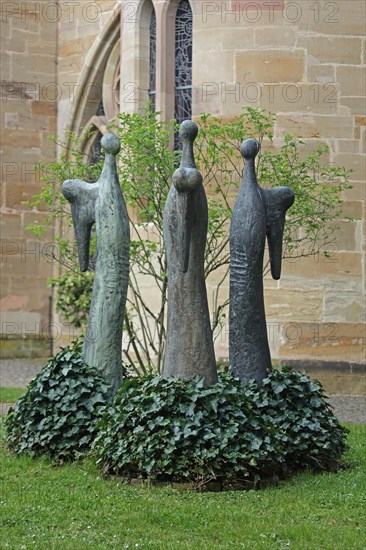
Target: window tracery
<point>152,71</point>
<point>183,63</point>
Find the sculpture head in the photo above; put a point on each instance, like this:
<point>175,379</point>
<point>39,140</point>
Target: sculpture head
<point>186,180</point>
<point>111,144</point>
<point>249,148</point>
<point>188,131</point>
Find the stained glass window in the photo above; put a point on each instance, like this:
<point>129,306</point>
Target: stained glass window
<point>152,77</point>
<point>183,64</point>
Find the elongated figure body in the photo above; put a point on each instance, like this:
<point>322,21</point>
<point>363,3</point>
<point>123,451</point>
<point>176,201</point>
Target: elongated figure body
<point>102,203</point>
<point>257,213</point>
<point>189,346</point>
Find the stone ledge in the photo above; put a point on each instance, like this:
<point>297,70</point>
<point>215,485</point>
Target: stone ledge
<point>29,347</point>
<point>338,377</point>
<point>312,366</point>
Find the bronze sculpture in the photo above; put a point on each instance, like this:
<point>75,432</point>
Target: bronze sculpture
<point>189,347</point>
<point>102,203</point>
<point>257,213</point>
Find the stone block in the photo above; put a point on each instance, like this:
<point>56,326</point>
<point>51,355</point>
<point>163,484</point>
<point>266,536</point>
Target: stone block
<point>363,140</point>
<point>339,264</point>
<point>316,126</point>
<point>27,25</point>
<point>16,44</point>
<point>11,226</point>
<point>275,37</point>
<point>331,49</point>
<point>14,303</point>
<point>205,42</point>
<point>321,73</point>
<point>337,377</point>
<point>236,95</point>
<point>206,97</point>
<point>34,289</point>
<point>221,71</point>
<point>6,63</point>
<point>212,22</point>
<point>68,66</point>
<point>16,265</point>
<point>349,146</point>
<point>334,18</point>
<point>67,31</point>
<point>13,154</point>
<point>352,209</point>
<point>300,97</point>
<point>345,238</point>
<point>351,80</point>
<point>344,306</point>
<point>20,324</point>
<point>48,32</point>
<point>5,26</point>
<point>325,283</point>
<point>44,108</point>
<point>26,122</point>
<point>356,105</point>
<point>36,69</point>
<point>357,192</point>
<point>237,39</point>
<point>15,194</point>
<point>269,66</point>
<point>5,286</point>
<point>355,161</point>
<point>41,47</point>
<point>30,139</point>
<point>328,341</point>
<point>294,304</point>
<point>76,46</point>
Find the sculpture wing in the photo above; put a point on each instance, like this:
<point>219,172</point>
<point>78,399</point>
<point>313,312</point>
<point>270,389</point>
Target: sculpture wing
<point>277,201</point>
<point>82,197</point>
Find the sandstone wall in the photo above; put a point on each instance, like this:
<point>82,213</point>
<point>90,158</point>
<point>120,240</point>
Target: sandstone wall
<point>28,118</point>
<point>305,61</point>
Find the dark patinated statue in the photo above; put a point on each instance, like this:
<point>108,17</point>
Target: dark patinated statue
<point>102,203</point>
<point>257,213</point>
<point>189,347</point>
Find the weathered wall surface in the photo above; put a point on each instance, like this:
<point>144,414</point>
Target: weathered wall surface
<point>305,61</point>
<point>28,117</point>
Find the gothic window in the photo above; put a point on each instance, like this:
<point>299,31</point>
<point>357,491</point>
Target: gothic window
<point>183,63</point>
<point>152,68</point>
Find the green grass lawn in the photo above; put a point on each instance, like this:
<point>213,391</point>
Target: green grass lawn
<point>72,507</point>
<point>10,395</point>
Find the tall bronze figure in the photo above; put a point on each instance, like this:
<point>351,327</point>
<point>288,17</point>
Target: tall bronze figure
<point>257,213</point>
<point>189,346</point>
<point>102,203</point>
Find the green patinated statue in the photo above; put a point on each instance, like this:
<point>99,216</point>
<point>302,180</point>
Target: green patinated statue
<point>102,203</point>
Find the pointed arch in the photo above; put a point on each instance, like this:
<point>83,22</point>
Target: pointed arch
<point>85,105</point>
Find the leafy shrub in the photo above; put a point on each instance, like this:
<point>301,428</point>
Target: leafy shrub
<point>56,416</point>
<point>297,407</point>
<point>178,430</point>
<point>74,291</point>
